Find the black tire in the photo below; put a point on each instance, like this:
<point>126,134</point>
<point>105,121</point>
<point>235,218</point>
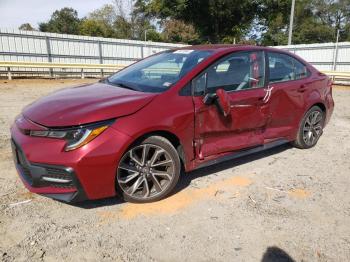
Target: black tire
<point>309,132</point>
<point>148,171</point>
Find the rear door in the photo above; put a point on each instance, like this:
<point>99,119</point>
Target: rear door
<point>242,76</point>
<point>288,78</point>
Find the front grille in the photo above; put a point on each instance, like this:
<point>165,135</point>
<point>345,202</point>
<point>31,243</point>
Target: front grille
<point>60,174</point>
<point>67,186</point>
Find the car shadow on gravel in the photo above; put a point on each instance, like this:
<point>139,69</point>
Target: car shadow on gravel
<point>275,254</point>
<point>90,204</point>
<point>185,179</point>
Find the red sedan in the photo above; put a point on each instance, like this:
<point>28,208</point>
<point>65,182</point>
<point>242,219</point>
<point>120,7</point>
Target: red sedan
<point>133,133</point>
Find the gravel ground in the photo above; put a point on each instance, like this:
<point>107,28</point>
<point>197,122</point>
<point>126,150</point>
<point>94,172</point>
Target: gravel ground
<point>282,203</point>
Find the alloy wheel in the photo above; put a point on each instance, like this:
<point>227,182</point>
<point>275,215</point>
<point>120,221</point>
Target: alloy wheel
<point>313,126</point>
<point>145,171</point>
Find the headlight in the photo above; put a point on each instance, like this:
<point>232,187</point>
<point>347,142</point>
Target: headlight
<point>75,137</point>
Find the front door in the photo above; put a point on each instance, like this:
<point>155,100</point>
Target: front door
<point>242,76</point>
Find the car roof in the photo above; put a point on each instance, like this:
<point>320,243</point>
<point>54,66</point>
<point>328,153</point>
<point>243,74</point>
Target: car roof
<point>229,48</point>
<point>217,47</point>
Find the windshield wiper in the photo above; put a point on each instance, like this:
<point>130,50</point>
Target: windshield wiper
<point>119,85</point>
<point>125,86</point>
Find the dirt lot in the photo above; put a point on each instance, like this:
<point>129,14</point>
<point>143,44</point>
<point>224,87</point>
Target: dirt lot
<point>283,202</point>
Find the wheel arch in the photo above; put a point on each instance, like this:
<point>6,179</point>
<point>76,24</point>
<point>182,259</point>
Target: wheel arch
<point>320,105</point>
<point>297,141</point>
<point>156,136</point>
<point>315,98</point>
<point>173,139</point>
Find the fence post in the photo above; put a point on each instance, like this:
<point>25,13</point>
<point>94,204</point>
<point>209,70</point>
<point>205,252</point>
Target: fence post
<point>9,74</point>
<point>49,55</point>
<point>335,55</point>
<point>142,52</point>
<point>82,74</point>
<point>100,55</point>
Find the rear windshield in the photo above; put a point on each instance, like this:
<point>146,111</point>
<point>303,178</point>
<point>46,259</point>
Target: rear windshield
<point>159,72</point>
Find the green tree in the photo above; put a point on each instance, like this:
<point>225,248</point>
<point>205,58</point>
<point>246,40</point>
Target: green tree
<point>123,28</point>
<point>132,24</point>
<point>26,27</point>
<point>141,24</point>
<point>209,21</point>
<point>214,20</point>
<point>273,18</point>
<point>308,27</point>
<point>116,20</point>
<point>106,14</point>
<point>91,27</point>
<point>176,31</point>
<point>334,13</point>
<point>316,21</point>
<point>154,36</point>
<point>63,21</point>
<point>346,33</point>
<point>104,18</point>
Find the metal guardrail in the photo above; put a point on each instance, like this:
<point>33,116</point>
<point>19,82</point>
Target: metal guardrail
<point>337,74</point>
<point>11,64</point>
<point>112,67</point>
<point>339,77</point>
<point>58,65</point>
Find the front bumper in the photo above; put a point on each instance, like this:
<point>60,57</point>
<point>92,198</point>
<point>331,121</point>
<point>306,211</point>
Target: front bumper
<point>85,173</point>
<point>53,181</point>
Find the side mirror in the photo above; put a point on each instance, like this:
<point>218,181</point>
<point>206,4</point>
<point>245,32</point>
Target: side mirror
<point>223,102</point>
<point>220,99</point>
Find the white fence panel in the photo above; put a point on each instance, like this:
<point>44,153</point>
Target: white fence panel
<point>324,56</point>
<point>16,45</point>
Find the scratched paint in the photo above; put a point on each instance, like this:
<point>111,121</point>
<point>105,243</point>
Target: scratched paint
<point>178,201</point>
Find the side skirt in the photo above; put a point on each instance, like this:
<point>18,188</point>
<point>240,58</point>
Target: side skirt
<point>244,152</point>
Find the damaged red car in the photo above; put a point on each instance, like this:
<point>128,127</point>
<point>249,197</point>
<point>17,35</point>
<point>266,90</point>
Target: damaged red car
<point>134,133</point>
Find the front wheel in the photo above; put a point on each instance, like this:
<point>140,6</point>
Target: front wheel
<point>148,171</point>
<point>311,128</point>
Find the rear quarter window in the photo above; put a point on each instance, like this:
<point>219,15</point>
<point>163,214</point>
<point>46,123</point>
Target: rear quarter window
<point>284,68</point>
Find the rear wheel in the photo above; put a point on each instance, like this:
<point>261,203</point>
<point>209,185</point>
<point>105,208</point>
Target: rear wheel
<point>148,171</point>
<point>311,128</point>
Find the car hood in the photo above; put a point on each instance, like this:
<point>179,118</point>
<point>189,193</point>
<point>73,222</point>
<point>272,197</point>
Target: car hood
<point>85,104</point>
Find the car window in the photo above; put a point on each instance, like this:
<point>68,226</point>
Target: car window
<point>285,68</point>
<point>300,70</point>
<point>199,84</point>
<point>238,71</point>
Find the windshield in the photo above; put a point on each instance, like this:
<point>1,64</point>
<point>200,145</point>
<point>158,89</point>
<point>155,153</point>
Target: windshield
<point>159,72</point>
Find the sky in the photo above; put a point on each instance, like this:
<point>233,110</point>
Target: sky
<point>13,13</point>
